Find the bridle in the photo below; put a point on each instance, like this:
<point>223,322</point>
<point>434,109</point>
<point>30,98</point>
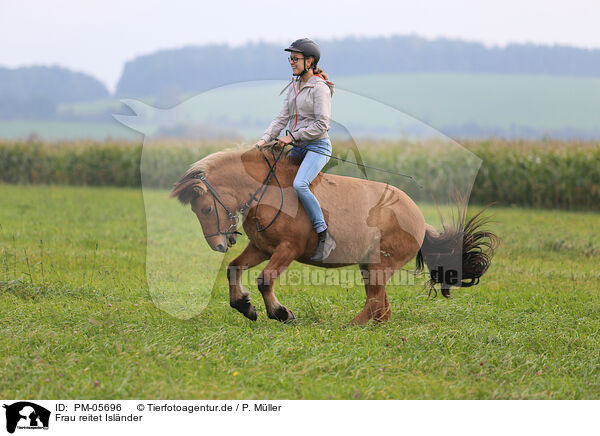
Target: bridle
<point>232,229</point>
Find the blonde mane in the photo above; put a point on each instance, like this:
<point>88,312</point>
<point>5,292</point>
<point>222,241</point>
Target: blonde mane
<point>206,164</point>
<point>186,188</point>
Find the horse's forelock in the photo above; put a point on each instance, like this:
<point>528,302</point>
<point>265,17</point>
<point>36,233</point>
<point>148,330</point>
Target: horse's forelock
<point>188,188</point>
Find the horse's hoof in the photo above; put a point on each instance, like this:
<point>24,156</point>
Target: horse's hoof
<point>358,321</point>
<point>244,306</point>
<point>284,315</point>
<point>291,319</point>
<point>251,314</point>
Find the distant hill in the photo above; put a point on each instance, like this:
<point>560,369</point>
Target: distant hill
<point>460,88</point>
<point>35,92</point>
<point>456,104</point>
<point>169,73</point>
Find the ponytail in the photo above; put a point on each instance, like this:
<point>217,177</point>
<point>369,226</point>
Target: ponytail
<point>319,70</point>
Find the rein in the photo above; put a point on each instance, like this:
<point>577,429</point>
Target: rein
<point>232,229</point>
<point>362,165</point>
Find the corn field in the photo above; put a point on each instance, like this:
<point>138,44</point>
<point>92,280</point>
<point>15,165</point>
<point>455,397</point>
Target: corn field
<point>543,174</point>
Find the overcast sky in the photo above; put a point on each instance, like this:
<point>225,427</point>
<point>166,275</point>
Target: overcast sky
<point>99,36</point>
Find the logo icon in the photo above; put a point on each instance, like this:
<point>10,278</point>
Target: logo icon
<point>26,415</point>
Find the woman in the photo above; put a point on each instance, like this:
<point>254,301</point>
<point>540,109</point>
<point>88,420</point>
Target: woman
<point>307,110</point>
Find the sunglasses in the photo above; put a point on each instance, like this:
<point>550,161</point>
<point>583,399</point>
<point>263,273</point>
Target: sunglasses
<point>294,59</point>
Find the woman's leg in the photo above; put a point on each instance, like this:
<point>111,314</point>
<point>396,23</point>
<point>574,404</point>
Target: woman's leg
<point>312,164</point>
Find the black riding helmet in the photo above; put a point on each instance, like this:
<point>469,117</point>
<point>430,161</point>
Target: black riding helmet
<point>307,48</point>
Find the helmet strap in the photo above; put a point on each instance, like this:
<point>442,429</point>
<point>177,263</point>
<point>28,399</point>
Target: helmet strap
<point>305,69</point>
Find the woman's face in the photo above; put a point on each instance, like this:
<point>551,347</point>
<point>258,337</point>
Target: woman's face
<point>298,66</point>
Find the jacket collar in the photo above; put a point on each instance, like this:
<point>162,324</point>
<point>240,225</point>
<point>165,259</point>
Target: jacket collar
<point>310,83</point>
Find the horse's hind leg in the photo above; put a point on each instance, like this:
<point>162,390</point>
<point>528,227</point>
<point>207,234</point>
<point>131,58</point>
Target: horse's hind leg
<point>376,274</point>
<point>377,306</point>
<point>239,298</point>
<point>283,255</point>
<point>395,249</point>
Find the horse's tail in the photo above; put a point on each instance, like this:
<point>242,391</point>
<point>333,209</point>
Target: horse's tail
<point>459,254</point>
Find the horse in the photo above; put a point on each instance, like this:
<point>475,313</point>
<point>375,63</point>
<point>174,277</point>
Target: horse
<point>375,225</point>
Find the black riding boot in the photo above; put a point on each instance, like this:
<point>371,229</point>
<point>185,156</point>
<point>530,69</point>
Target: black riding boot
<point>325,246</point>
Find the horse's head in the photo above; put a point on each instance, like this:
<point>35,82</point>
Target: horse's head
<point>215,208</point>
<point>218,185</point>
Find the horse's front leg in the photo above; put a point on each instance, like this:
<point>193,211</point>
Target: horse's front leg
<point>283,255</point>
<point>239,298</point>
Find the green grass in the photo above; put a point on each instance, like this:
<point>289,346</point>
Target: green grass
<point>75,309</point>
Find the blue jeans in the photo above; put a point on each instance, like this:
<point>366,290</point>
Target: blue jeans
<point>312,164</point>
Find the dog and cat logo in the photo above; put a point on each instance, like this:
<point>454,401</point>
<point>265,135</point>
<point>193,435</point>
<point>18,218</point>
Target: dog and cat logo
<point>26,415</point>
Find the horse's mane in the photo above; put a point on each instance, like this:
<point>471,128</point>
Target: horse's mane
<point>188,187</point>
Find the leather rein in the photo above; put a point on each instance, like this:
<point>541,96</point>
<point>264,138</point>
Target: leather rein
<point>232,229</point>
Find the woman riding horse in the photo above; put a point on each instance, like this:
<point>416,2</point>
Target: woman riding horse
<point>377,226</point>
<point>307,110</point>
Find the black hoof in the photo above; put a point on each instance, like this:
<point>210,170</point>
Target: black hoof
<point>446,291</point>
<point>291,319</point>
<point>244,306</point>
<point>282,314</point>
<point>251,313</point>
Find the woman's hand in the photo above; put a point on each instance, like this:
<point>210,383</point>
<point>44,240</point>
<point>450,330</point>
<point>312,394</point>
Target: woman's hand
<point>260,143</point>
<point>286,140</point>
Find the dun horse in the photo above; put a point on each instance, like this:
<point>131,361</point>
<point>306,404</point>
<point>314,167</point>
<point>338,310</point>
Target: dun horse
<point>375,225</point>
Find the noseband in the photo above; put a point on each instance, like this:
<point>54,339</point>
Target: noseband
<point>232,229</point>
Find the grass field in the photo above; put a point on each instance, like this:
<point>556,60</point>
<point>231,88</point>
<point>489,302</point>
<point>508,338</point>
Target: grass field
<point>77,320</point>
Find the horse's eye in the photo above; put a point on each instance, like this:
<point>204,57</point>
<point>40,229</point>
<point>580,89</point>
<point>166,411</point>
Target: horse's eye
<point>206,210</point>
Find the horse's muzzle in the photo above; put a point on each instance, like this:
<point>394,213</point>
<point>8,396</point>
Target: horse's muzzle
<point>220,248</point>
